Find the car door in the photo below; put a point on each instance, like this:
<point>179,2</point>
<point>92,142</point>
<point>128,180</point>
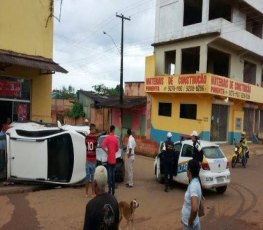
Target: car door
<point>186,154</point>
<point>28,158</point>
<point>177,149</point>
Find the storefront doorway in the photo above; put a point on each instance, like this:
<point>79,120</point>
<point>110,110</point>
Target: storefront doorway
<point>219,122</point>
<point>249,114</point>
<point>5,111</point>
<point>16,110</point>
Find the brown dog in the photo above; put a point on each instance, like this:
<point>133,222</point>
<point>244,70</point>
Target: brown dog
<point>127,210</point>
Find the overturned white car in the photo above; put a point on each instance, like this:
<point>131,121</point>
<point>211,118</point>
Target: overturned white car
<point>45,154</point>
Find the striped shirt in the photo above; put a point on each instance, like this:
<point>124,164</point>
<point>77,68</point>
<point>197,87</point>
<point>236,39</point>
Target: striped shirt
<point>91,145</point>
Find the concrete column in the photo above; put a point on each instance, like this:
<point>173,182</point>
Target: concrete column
<point>178,61</point>
<point>203,58</point>
<point>205,11</point>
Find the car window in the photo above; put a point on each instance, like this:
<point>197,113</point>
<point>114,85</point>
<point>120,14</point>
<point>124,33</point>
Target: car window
<point>213,152</point>
<point>177,148</point>
<point>101,139</point>
<point>188,151</point>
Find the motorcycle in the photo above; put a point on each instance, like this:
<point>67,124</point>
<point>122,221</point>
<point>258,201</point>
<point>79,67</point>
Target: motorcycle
<point>238,156</point>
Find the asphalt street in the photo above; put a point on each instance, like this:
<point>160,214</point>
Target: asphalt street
<point>63,208</point>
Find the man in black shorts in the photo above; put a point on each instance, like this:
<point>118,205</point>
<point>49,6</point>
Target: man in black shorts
<point>102,212</point>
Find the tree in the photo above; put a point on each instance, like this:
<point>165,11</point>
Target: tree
<point>65,93</point>
<point>76,111</point>
<point>104,90</point>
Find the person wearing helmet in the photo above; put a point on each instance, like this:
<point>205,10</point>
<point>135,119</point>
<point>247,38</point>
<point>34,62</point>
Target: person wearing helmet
<point>243,143</point>
<point>169,158</point>
<point>197,154</point>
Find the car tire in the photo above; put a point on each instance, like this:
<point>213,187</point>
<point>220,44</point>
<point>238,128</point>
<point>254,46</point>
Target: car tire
<point>244,162</point>
<point>234,161</point>
<point>221,190</point>
<point>159,177</point>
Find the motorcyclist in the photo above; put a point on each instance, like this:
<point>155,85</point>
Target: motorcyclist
<point>169,156</point>
<point>244,145</point>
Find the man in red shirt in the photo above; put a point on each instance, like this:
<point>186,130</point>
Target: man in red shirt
<point>111,147</point>
<point>91,145</point>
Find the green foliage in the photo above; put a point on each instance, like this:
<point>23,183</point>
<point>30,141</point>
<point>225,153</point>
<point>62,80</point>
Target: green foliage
<point>76,111</point>
<point>104,90</point>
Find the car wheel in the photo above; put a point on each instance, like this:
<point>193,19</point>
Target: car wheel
<point>234,161</point>
<point>159,177</point>
<point>221,190</point>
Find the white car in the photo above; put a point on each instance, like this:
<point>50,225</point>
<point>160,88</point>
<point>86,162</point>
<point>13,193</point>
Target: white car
<point>43,154</point>
<point>214,173</point>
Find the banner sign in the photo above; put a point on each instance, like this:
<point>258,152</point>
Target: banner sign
<point>204,83</point>
<point>230,88</point>
<point>178,84</point>
<point>10,89</point>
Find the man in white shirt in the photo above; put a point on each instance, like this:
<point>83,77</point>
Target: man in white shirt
<point>131,156</point>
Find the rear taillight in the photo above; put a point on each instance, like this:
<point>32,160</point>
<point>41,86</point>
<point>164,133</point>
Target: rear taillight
<point>205,166</point>
<point>227,165</point>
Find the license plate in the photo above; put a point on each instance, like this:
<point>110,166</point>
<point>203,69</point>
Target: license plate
<point>220,179</point>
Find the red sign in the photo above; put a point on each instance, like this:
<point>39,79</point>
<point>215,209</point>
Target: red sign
<point>22,112</point>
<point>10,88</point>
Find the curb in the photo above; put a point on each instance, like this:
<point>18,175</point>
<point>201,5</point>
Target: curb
<point>16,190</point>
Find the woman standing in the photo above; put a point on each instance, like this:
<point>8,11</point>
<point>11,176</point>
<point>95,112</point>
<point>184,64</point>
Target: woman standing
<point>192,198</point>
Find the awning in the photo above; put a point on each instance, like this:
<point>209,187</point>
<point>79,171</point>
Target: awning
<point>36,62</point>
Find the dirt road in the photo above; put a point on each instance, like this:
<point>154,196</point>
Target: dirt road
<point>238,208</point>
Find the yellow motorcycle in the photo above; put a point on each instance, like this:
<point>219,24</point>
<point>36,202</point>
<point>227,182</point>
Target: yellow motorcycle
<point>238,156</point>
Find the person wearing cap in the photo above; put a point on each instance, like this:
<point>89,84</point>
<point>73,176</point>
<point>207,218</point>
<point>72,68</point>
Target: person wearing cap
<point>169,157</point>
<point>131,156</point>
<point>198,154</point>
<point>102,212</point>
<point>244,145</point>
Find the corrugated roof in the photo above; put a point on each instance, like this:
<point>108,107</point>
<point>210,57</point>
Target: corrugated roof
<point>36,62</point>
<point>128,102</point>
<point>95,96</point>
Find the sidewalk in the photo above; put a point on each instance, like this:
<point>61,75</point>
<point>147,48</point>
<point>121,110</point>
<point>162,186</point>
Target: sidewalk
<point>254,150</point>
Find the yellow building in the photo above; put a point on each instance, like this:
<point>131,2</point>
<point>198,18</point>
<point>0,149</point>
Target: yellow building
<point>207,70</point>
<point>26,65</point>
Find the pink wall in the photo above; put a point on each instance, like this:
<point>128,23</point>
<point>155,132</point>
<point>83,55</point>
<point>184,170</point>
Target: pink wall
<point>116,114</point>
<point>136,117</point>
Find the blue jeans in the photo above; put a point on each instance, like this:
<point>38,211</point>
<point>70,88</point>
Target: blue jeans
<point>111,178</point>
<point>90,169</point>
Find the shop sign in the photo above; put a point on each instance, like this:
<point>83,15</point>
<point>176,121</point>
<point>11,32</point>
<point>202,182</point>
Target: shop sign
<point>196,83</point>
<point>204,83</point>
<point>10,88</point>
<point>230,88</point>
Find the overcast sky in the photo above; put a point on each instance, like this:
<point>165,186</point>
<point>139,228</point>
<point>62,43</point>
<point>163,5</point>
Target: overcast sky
<point>90,56</point>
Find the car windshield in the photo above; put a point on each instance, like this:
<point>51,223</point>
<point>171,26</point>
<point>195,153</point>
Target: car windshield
<point>213,152</point>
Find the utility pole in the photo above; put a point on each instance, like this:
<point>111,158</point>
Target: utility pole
<point>121,69</point>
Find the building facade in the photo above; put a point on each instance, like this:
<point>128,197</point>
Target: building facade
<point>207,70</point>
<point>26,65</point>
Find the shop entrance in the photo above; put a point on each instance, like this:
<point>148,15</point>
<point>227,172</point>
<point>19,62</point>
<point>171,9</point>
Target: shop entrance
<point>5,111</point>
<point>17,110</point>
<point>248,123</point>
<point>219,123</point>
